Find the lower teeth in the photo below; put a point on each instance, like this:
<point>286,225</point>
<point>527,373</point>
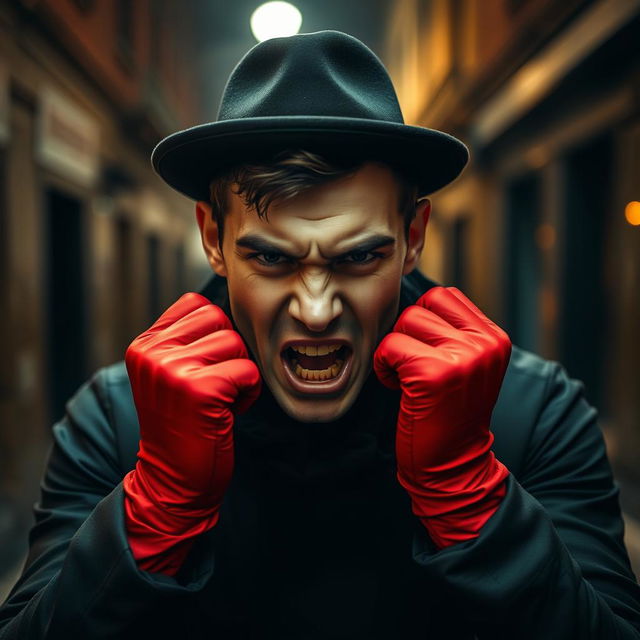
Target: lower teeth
<point>319,374</point>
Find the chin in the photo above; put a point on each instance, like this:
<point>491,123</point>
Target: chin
<point>312,410</point>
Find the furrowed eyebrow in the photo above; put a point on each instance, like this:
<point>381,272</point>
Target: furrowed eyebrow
<point>259,244</point>
<point>376,241</point>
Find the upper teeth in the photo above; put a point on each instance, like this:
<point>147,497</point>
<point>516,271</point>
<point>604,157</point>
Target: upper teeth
<point>316,350</point>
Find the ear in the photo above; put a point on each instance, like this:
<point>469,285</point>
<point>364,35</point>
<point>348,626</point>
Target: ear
<point>210,238</point>
<point>417,230</point>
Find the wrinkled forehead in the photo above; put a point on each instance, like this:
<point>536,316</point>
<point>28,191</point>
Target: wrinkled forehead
<point>366,201</point>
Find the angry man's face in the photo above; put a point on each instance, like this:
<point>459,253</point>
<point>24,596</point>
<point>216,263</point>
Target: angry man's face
<point>314,288</point>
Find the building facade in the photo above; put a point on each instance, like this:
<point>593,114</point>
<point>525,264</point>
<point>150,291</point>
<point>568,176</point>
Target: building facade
<point>93,245</point>
<point>546,95</point>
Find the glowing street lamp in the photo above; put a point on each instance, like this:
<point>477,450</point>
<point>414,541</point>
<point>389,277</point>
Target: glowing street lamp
<point>274,20</point>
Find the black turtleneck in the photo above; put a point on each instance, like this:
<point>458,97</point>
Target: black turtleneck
<point>315,533</point>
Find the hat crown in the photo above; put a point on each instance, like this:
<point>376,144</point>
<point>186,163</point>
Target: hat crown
<point>327,73</point>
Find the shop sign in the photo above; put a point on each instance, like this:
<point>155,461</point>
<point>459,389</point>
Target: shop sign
<point>68,139</point>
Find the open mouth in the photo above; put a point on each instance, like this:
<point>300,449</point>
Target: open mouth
<point>316,363</point>
<point>321,368</point>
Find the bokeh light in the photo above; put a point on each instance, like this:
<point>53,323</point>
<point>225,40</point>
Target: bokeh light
<point>632,213</point>
<point>275,20</point>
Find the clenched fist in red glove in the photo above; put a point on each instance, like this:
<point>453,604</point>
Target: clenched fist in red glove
<point>449,360</point>
<point>189,374</point>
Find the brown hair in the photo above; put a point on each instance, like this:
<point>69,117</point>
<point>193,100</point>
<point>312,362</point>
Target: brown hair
<point>291,172</point>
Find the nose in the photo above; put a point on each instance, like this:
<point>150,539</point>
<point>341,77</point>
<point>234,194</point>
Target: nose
<point>315,302</point>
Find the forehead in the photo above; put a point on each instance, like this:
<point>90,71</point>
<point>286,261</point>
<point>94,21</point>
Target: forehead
<point>365,201</point>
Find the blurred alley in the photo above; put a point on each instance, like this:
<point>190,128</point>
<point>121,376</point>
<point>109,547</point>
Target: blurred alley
<point>542,231</point>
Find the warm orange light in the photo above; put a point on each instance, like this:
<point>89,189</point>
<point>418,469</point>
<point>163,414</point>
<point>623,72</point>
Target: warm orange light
<point>545,236</point>
<point>632,213</point>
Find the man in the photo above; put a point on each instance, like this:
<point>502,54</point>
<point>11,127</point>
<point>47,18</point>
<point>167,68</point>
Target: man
<point>336,447</point>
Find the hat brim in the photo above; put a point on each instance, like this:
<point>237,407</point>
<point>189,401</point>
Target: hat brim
<point>188,160</point>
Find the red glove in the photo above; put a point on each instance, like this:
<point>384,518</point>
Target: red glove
<point>449,360</point>
<point>189,373</point>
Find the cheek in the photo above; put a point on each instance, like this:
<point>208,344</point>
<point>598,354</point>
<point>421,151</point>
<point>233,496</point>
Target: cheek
<point>254,309</point>
<point>376,305</point>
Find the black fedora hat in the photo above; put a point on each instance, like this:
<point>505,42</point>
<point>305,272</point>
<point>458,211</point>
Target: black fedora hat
<point>324,92</point>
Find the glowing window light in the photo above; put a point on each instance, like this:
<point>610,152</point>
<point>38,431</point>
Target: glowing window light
<point>275,20</point>
<point>632,213</point>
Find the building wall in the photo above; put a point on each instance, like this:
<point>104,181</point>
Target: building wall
<point>78,172</point>
<point>534,87</point>
<point>131,49</point>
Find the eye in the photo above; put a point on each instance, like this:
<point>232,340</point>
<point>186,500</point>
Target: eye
<point>361,257</point>
<point>358,256</point>
<point>269,258</point>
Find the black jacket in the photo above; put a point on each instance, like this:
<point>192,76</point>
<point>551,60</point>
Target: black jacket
<point>317,539</point>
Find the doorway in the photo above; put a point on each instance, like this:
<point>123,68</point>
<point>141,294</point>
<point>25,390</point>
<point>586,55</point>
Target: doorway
<point>584,324</point>
<point>523,274</point>
<point>66,303</point>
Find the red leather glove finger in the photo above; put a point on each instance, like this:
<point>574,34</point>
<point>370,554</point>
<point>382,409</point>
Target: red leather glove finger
<point>188,303</point>
<point>449,361</point>
<point>493,342</point>
<point>189,373</point>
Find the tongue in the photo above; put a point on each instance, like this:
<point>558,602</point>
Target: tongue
<point>316,362</point>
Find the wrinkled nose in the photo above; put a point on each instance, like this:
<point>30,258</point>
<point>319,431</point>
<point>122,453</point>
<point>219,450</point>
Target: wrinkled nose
<point>315,303</point>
